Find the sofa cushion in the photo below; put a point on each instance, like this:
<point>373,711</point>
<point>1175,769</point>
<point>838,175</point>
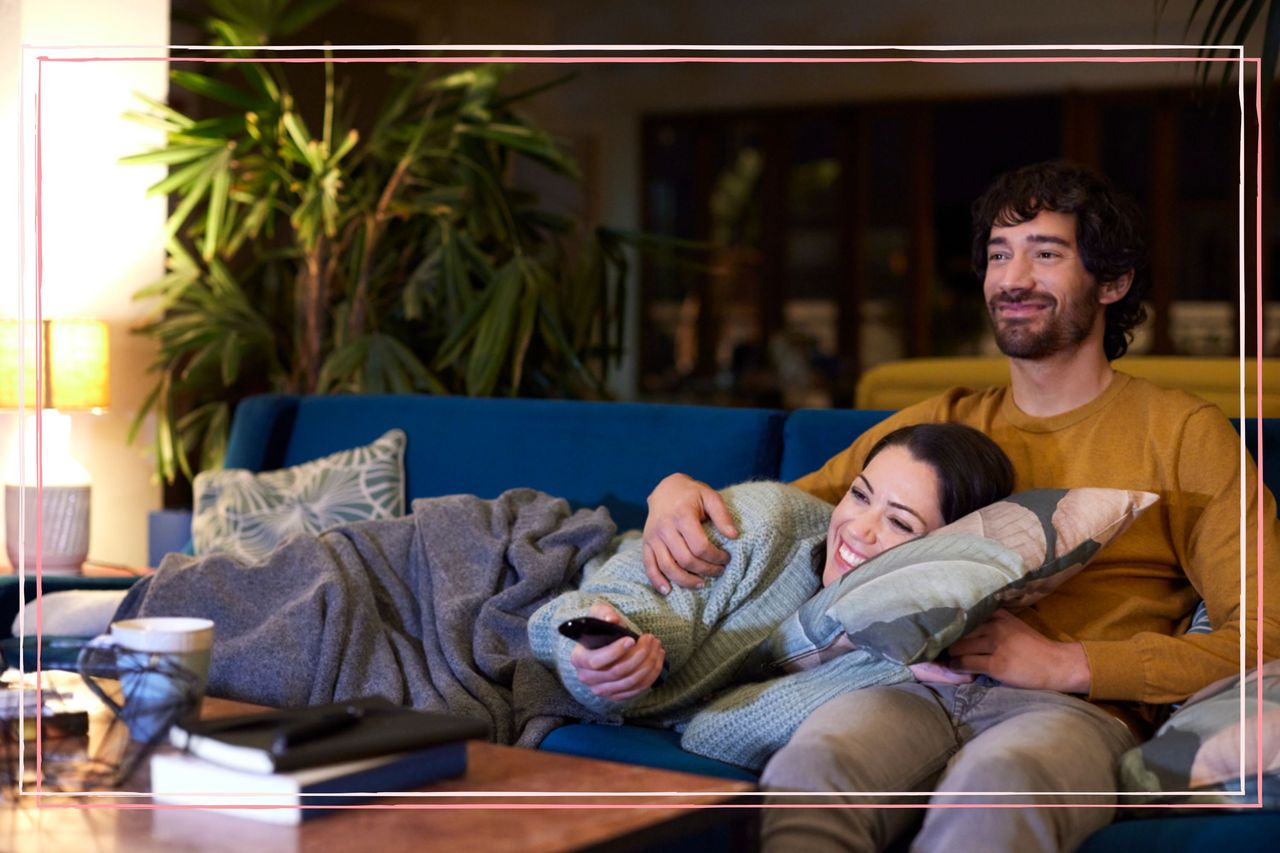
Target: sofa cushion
<point>1195,757</point>
<point>247,514</point>
<point>912,601</point>
<point>1188,833</point>
<point>629,744</point>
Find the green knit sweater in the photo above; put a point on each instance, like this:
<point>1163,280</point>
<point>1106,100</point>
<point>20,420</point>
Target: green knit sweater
<point>774,567</point>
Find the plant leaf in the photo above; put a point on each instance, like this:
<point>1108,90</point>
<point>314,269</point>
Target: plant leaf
<point>166,111</point>
<point>196,191</point>
<point>176,179</point>
<point>216,89</point>
<point>170,155</point>
<point>494,332</point>
<point>231,352</point>
<point>463,331</point>
<point>342,364</point>
<point>528,313</point>
<point>214,446</point>
<point>536,145</point>
<point>218,189</point>
<point>301,138</point>
<point>301,14</point>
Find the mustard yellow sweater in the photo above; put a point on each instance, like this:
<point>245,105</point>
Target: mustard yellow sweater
<point>1130,605</point>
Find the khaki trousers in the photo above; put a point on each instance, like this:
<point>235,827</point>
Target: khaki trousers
<point>943,741</point>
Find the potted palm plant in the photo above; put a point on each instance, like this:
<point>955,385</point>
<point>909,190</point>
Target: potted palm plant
<point>306,254</point>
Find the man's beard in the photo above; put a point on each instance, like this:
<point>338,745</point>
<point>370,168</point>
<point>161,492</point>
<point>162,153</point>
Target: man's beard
<point>1062,330</point>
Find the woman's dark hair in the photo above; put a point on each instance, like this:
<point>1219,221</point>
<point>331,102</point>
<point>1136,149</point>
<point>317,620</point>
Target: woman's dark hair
<point>972,469</point>
<point>1108,232</point>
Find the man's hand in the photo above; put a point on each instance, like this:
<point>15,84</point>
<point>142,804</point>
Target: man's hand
<point>1010,651</point>
<point>676,548</point>
<point>621,670</point>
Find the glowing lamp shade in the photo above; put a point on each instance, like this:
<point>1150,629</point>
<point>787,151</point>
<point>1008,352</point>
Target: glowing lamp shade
<point>58,366</point>
<point>66,364</point>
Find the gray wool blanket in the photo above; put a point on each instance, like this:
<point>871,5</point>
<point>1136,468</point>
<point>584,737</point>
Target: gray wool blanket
<point>428,610</point>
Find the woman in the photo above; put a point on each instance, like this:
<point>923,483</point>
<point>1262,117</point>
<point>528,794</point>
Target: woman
<point>915,479</point>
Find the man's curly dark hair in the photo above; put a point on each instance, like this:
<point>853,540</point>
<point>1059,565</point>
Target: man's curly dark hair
<point>1108,232</point>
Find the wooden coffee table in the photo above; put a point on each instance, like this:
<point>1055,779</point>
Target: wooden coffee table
<point>599,804</point>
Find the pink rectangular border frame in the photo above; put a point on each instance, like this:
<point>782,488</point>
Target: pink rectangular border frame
<point>465,59</point>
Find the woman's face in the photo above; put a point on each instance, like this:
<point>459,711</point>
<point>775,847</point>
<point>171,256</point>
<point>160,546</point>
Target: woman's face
<point>895,499</point>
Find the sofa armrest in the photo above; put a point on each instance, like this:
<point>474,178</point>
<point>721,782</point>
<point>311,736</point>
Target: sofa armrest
<point>168,530</point>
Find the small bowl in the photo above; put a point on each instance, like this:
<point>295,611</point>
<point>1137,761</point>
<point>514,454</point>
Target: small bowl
<point>56,652</point>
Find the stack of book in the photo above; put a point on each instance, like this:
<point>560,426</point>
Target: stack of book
<point>288,766</point>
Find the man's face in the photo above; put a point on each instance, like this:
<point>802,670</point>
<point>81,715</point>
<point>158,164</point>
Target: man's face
<point>1041,298</point>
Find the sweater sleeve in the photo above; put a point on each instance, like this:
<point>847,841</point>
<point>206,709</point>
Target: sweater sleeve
<point>625,569</point>
<point>1206,533</point>
<point>705,632</point>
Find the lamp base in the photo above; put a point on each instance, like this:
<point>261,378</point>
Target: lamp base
<point>63,531</point>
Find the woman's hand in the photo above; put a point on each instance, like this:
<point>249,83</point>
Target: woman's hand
<point>621,670</point>
<point>932,672</point>
<point>676,548</point>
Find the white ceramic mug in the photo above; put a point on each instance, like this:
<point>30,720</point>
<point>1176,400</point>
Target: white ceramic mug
<point>162,663</point>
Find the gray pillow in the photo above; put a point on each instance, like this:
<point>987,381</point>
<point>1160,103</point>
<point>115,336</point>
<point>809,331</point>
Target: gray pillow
<point>247,514</point>
<point>912,601</point>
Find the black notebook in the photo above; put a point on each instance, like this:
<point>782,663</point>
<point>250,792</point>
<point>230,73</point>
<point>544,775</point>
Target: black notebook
<point>278,741</point>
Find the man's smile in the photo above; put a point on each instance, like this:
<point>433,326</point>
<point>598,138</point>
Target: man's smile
<point>1019,308</point>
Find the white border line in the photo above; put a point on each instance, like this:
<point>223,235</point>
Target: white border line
<point>801,49</point>
<point>655,48</point>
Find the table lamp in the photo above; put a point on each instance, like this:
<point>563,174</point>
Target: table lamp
<point>69,357</point>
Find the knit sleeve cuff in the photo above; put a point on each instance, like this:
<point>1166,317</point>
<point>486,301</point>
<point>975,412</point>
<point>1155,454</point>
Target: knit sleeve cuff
<point>1117,670</point>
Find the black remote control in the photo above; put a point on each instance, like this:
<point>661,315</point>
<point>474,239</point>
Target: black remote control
<point>596,633</point>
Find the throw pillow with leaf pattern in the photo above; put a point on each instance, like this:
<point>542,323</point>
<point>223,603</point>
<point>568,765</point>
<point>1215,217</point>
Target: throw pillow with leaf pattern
<point>912,601</point>
<point>247,514</point>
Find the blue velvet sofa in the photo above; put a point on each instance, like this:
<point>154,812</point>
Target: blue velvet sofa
<point>592,454</point>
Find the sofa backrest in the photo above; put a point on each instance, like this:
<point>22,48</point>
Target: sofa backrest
<point>593,454</point>
<point>812,436</point>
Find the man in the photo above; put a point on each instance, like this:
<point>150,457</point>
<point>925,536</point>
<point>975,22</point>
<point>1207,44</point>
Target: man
<point>1066,686</point>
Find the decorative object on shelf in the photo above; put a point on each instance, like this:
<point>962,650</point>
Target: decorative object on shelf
<point>310,253</point>
<point>57,367</point>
